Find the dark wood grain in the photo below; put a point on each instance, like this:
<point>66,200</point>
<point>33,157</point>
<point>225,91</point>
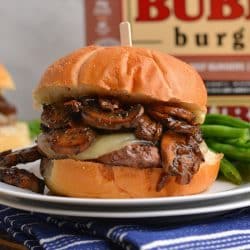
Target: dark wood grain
<point>7,244</point>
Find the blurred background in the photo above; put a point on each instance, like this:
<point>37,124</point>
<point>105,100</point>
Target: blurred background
<point>33,34</point>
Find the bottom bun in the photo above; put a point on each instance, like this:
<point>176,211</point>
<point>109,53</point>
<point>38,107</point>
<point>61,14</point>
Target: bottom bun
<point>14,136</point>
<point>88,179</point>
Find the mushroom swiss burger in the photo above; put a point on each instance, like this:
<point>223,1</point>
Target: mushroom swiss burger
<point>123,122</point>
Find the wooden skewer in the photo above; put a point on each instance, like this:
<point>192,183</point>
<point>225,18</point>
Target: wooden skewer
<point>125,34</point>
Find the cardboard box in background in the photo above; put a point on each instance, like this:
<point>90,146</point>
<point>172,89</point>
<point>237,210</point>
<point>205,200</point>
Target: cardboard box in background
<point>211,35</point>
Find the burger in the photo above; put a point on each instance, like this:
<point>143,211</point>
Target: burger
<point>13,134</point>
<point>121,122</point>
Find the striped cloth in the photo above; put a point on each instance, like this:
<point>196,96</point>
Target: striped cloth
<point>39,231</point>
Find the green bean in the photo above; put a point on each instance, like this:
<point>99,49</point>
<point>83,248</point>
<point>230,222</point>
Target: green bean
<point>219,131</point>
<point>34,128</point>
<point>230,172</point>
<point>238,142</point>
<point>244,169</point>
<point>226,120</point>
<point>232,152</point>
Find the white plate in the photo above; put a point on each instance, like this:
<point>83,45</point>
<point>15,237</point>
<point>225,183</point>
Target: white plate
<point>222,196</point>
<point>180,213</point>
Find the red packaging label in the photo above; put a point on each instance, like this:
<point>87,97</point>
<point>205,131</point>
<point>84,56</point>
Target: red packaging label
<point>211,35</point>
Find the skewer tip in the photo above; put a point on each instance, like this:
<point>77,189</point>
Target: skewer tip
<point>125,34</point>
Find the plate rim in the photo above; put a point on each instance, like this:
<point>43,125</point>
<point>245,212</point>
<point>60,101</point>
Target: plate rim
<point>128,201</point>
<point>224,207</point>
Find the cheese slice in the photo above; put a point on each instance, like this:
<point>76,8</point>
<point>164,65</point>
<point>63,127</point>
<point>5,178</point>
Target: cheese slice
<point>105,144</point>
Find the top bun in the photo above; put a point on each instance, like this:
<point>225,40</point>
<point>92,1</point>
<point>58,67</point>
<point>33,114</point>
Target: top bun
<point>6,81</point>
<point>137,74</point>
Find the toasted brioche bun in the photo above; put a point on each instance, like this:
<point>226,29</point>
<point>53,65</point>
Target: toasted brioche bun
<point>6,81</point>
<point>88,179</point>
<point>135,74</point>
<point>14,136</point>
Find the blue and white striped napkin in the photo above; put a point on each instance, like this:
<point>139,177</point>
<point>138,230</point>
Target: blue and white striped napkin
<point>39,231</point>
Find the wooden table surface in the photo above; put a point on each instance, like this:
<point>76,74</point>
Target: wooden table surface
<point>7,244</point>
